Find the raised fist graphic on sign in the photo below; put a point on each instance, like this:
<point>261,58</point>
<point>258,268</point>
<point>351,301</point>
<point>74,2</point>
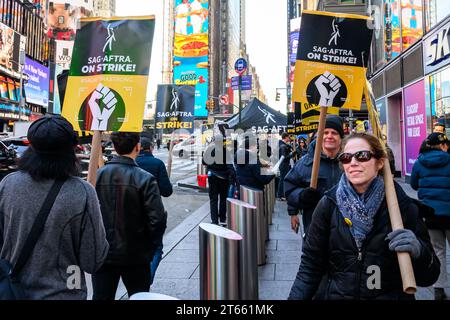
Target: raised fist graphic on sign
<point>328,86</point>
<point>101,116</point>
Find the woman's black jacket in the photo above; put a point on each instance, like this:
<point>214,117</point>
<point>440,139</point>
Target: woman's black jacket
<point>333,268</point>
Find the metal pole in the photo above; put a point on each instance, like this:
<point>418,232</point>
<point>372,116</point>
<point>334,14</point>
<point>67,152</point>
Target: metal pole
<point>350,122</point>
<point>21,98</point>
<point>240,98</point>
<point>256,197</point>
<point>242,218</point>
<point>219,261</point>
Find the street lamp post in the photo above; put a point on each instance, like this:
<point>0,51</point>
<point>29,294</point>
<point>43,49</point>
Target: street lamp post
<point>21,98</point>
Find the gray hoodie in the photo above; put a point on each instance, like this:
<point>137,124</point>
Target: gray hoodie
<point>73,240</point>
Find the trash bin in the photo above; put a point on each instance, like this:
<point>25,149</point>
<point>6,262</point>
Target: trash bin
<point>242,218</point>
<point>202,180</point>
<point>219,262</point>
<point>256,198</point>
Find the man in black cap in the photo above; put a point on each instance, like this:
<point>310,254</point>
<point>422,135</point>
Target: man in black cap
<point>439,126</point>
<point>299,194</point>
<point>147,161</point>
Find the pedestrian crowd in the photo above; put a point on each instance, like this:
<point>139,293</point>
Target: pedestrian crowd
<point>114,229</point>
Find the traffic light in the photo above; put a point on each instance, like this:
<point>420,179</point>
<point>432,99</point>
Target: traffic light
<point>277,98</point>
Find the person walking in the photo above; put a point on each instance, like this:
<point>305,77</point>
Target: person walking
<point>248,166</point>
<point>350,233</point>
<point>134,218</point>
<point>284,150</point>
<point>158,143</point>
<point>73,240</point>
<point>157,169</point>
<point>299,194</point>
<point>218,160</point>
<point>431,177</point>
<point>147,161</point>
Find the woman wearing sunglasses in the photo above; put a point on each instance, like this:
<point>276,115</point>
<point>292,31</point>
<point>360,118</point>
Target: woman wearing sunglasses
<point>350,251</point>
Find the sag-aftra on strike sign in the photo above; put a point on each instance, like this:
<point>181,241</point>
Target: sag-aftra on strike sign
<point>332,56</point>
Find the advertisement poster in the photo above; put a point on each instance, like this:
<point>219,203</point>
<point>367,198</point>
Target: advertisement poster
<point>293,47</point>
<point>175,108</point>
<point>64,51</point>
<point>54,101</point>
<point>191,50</point>
<point>62,17</point>
<point>412,15</point>
<point>332,58</point>
<point>392,38</point>
<point>107,84</point>
<point>37,86</point>
<point>415,122</point>
<point>11,43</point>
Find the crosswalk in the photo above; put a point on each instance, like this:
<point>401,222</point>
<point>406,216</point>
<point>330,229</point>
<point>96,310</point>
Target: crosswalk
<point>180,167</point>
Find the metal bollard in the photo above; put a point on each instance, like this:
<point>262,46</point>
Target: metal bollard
<point>219,262</point>
<point>266,210</point>
<point>242,218</point>
<point>271,201</point>
<point>256,198</point>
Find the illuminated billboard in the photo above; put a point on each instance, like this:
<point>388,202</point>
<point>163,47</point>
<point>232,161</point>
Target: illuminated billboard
<point>190,61</point>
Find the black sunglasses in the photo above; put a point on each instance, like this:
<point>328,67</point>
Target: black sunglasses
<point>360,156</point>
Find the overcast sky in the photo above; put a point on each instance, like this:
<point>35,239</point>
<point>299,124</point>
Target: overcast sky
<point>266,42</point>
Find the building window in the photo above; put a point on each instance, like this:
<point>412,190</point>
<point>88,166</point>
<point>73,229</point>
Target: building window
<point>439,99</point>
<point>435,11</point>
<point>392,43</point>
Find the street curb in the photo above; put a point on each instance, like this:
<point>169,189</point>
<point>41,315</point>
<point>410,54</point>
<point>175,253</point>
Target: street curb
<point>174,237</point>
<point>192,186</point>
<point>191,183</point>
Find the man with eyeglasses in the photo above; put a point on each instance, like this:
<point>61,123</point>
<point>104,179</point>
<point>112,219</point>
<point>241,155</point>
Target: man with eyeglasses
<point>300,196</point>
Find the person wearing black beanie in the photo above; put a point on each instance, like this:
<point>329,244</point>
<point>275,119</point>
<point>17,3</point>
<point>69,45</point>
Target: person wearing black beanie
<point>335,122</point>
<point>301,197</point>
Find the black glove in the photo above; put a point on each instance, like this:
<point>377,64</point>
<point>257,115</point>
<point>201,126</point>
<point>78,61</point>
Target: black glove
<point>309,198</point>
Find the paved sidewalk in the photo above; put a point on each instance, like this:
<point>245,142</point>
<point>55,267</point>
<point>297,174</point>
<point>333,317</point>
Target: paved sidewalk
<point>178,273</point>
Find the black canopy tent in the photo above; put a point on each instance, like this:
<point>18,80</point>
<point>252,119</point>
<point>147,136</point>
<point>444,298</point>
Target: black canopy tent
<point>258,117</point>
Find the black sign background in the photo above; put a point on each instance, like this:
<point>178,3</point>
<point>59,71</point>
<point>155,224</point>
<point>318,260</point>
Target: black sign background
<point>182,111</point>
<point>317,30</point>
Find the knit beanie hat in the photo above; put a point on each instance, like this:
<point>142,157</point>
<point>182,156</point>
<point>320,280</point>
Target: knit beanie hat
<point>335,122</point>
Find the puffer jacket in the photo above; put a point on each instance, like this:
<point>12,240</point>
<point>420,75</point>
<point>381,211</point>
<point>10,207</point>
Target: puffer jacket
<point>431,177</point>
<point>132,210</point>
<point>332,267</point>
<point>299,177</point>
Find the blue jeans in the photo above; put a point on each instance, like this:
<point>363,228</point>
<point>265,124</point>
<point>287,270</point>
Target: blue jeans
<point>155,262</point>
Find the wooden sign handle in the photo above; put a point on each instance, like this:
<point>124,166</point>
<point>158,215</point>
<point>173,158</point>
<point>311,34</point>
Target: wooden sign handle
<point>404,259</point>
<point>318,150</point>
<point>96,150</point>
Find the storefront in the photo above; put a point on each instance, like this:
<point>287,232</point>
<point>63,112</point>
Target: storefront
<point>436,57</point>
